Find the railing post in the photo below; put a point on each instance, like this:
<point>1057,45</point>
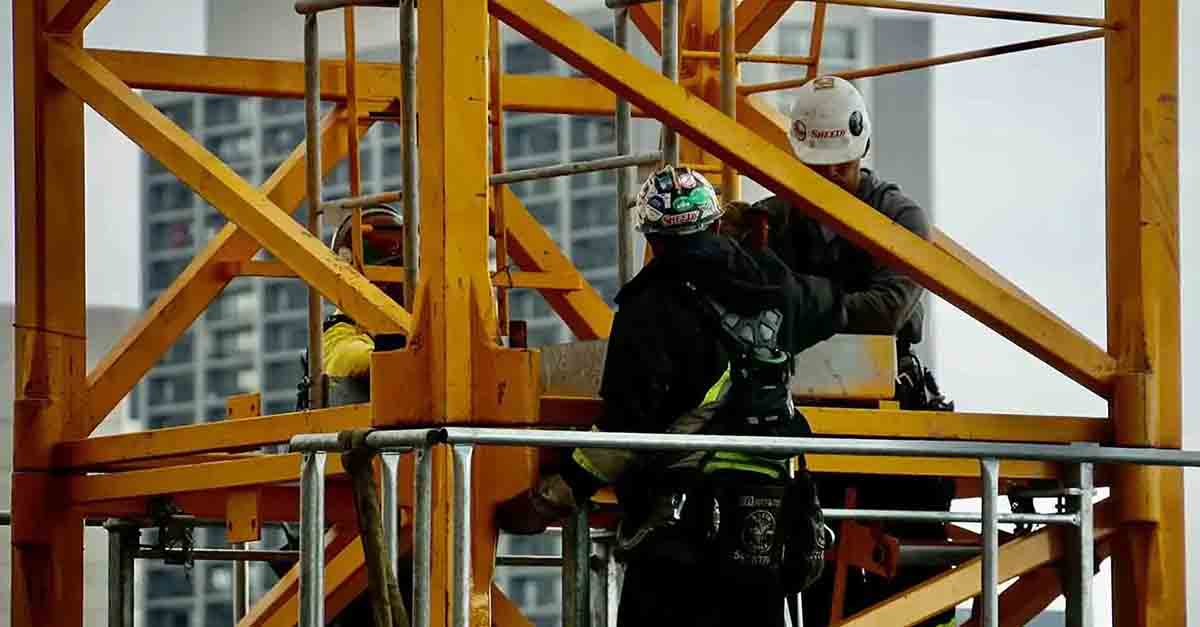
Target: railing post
<point>122,543</point>
<point>312,144</point>
<point>241,586</point>
<point>576,571</point>
<point>462,535</point>
<point>422,534</point>
<point>390,465</point>
<point>624,131</point>
<point>1081,562</point>
<point>989,472</point>
<point>312,540</point>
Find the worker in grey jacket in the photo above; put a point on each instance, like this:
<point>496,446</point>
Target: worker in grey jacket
<point>831,133</point>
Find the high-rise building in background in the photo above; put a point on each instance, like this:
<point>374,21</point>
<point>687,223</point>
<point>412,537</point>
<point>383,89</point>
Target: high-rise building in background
<point>251,338</point>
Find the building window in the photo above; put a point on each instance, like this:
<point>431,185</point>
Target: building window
<point>288,295</point>
<point>169,617</point>
<point>168,582</point>
<point>182,114</point>
<point>172,389</point>
<point>283,375</point>
<point>233,305</point>
<point>226,382</point>
<point>275,107</point>
<point>590,253</point>
<point>218,578</point>
<point>163,272</point>
<point>593,211</point>
<point>527,58</point>
<point>530,139</point>
<point>279,140</point>
<point>172,235</point>
<point>232,147</point>
<point>180,352</point>
<point>168,196</point>
<point>218,615</point>
<point>221,110</point>
<point>283,336</point>
<point>233,342</point>
<point>163,421</point>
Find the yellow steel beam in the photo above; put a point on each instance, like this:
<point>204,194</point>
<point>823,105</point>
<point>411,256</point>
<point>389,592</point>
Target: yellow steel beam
<point>378,83</point>
<point>75,15</point>
<point>208,437</point>
<point>754,19</point>
<point>49,392</point>
<point>1016,558</point>
<point>375,274</point>
<point>217,183</point>
<point>505,613</point>
<point>537,281</point>
<point>925,467</point>
<point>240,473</point>
<point>1026,326</point>
<point>584,311</point>
<point>902,423</point>
<point>1142,140</point>
<point>199,283</point>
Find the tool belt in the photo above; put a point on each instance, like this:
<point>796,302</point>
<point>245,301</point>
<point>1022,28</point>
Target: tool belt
<point>742,523</point>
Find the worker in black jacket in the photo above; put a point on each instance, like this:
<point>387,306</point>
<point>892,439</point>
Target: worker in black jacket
<point>831,133</point>
<point>668,369</point>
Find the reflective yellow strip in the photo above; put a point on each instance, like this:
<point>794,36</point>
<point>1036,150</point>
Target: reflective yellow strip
<point>581,458</point>
<point>746,463</point>
<point>717,389</point>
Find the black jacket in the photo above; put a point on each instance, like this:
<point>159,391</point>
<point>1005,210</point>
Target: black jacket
<point>664,354</point>
<point>879,300</point>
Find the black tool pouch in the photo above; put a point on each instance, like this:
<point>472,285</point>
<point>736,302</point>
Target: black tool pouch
<point>751,528</point>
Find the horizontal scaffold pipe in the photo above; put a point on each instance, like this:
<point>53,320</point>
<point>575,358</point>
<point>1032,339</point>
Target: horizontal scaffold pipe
<point>317,6</point>
<point>777,446</point>
<point>567,169</point>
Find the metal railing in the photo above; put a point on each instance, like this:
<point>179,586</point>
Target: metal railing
<point>462,441</point>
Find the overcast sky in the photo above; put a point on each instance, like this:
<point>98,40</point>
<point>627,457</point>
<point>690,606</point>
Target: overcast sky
<point>1019,180</point>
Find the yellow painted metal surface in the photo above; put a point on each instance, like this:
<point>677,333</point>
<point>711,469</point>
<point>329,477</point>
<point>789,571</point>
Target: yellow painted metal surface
<point>454,371</point>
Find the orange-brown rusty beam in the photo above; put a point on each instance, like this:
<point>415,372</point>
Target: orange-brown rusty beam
<point>754,19</point>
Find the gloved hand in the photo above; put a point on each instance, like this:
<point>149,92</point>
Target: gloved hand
<point>531,511</point>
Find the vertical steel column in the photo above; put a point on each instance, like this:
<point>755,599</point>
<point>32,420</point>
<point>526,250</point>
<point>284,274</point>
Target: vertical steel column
<point>1081,563</point>
<point>625,176</point>
<point>312,540</point>
<point>670,69</point>
<point>576,571</point>
<point>312,145</point>
<point>122,543</point>
<point>388,501</point>
<point>989,472</point>
<point>409,180</point>
<point>241,585</point>
<point>731,184</point>
<point>462,535</point>
<point>422,534</point>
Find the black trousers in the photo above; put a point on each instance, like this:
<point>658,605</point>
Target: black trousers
<point>672,582</point>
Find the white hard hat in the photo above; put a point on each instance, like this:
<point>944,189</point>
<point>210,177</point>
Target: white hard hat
<point>829,122</point>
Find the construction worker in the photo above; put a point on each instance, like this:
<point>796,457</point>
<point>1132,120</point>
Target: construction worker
<point>831,133</point>
<point>702,342</point>
<point>345,347</point>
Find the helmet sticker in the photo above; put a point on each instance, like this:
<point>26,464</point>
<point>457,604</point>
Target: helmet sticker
<point>825,82</point>
<point>687,181</point>
<point>681,218</point>
<point>828,133</point>
<point>663,182</point>
<point>656,202</point>
<point>799,130</point>
<point>856,123</point>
